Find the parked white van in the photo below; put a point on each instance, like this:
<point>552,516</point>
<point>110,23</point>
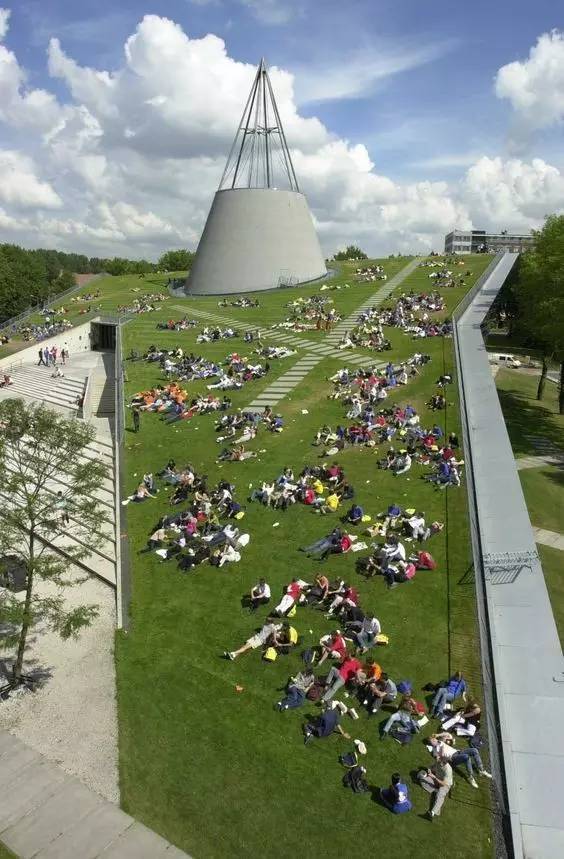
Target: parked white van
<point>505,360</point>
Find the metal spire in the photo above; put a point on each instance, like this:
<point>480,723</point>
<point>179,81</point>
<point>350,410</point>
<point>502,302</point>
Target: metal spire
<point>259,157</point>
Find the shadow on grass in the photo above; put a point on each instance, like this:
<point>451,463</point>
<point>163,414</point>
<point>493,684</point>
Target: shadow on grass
<point>556,475</point>
<point>523,419</point>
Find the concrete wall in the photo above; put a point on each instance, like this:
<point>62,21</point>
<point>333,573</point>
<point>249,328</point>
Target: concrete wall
<point>254,237</point>
<point>75,340</point>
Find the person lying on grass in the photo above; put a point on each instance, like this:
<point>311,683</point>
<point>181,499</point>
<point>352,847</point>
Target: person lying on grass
<point>296,690</point>
<point>267,636</point>
<point>441,747</point>
<point>292,594</point>
<point>325,725</point>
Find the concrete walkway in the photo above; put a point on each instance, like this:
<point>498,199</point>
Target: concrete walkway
<point>555,459</point>
<point>549,538</point>
<point>47,814</point>
<point>523,664</point>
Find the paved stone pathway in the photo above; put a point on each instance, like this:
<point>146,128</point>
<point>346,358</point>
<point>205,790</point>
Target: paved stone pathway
<point>282,386</point>
<point>290,339</point>
<point>549,538</point>
<point>47,814</point>
<point>555,459</point>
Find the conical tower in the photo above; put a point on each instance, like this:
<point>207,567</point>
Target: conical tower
<point>259,233</point>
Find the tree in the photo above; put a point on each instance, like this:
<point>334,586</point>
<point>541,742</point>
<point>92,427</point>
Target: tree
<point>38,447</point>
<point>540,298</point>
<point>180,260</point>
<point>350,252</point>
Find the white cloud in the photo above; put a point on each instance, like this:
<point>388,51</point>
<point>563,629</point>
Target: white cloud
<point>271,11</point>
<point>535,86</point>
<point>131,160</point>
<point>513,194</point>
<point>357,74</point>
<point>4,22</point>
<point>20,186</point>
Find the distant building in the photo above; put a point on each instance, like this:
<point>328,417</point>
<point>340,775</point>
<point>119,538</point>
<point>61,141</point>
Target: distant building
<point>480,241</point>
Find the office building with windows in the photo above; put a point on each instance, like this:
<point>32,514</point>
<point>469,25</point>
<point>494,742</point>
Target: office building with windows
<point>481,241</point>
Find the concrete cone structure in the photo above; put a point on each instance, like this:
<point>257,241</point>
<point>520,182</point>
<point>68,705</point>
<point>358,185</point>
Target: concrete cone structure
<point>259,233</point>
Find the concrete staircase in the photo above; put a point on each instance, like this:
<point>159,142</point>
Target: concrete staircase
<point>103,397</point>
<point>101,561</point>
<point>36,384</point>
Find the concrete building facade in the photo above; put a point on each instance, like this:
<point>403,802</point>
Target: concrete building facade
<point>482,241</point>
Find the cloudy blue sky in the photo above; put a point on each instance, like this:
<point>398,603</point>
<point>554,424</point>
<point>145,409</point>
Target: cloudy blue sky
<point>404,119</point>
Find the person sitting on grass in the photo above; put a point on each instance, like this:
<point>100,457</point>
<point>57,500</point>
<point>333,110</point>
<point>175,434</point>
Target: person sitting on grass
<point>407,715</point>
<point>319,591</point>
<point>396,797</point>
<point>344,600</point>
<point>379,692</point>
<point>140,494</point>
<point>285,638</point>
<point>348,671</point>
<point>324,726</point>
<point>260,594</point>
<point>333,646</point>
<point>354,515</point>
<point>367,634</point>
<point>436,780</point>
<point>296,690</point>
<point>263,638</point>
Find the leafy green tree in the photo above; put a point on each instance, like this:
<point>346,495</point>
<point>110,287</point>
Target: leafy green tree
<point>37,447</point>
<point>540,297</point>
<point>351,252</point>
<point>180,260</point>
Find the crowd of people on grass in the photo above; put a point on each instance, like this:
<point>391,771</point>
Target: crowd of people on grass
<point>243,301</point>
<point>232,373</point>
<point>205,529</point>
<point>86,296</point>
<point>342,671</point>
<point>357,388</point>
<point>208,334</point>
<point>177,324</point>
<point>370,273</point>
<point>308,314</point>
<point>42,331</point>
<point>353,668</point>
<point>410,313</point>
<point>144,303</point>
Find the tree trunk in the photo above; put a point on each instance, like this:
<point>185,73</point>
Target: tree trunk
<point>26,620</point>
<point>561,390</point>
<point>542,380</point>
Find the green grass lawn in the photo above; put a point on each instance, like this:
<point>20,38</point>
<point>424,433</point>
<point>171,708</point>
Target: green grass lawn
<point>544,486</point>
<point>218,771</point>
<point>5,853</point>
